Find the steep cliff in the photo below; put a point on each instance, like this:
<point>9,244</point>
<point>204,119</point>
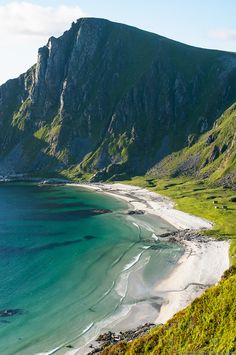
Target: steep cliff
<point>106,97</point>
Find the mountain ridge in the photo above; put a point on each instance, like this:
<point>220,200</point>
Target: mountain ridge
<point>110,99</point>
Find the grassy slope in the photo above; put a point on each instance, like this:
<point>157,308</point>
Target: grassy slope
<point>199,158</point>
<point>213,155</point>
<point>209,322</point>
<point>198,197</point>
<point>124,86</point>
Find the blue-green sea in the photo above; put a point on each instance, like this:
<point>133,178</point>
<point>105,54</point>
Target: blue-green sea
<point>66,255</point>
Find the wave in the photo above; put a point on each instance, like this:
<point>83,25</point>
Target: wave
<point>87,329</point>
<point>136,225</point>
<point>55,350</point>
<point>133,262</point>
<point>154,236</point>
<point>143,225</point>
<point>116,261</point>
<point>105,294</point>
<point>122,285</point>
<point>107,323</point>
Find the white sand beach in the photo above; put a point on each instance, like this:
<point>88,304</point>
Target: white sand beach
<point>200,267</point>
<point>151,202</point>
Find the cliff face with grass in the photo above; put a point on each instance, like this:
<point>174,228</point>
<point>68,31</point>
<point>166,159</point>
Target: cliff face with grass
<point>212,155</point>
<point>110,98</point>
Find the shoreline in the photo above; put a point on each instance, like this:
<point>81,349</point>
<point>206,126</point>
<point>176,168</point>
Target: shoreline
<point>151,203</point>
<point>202,264</point>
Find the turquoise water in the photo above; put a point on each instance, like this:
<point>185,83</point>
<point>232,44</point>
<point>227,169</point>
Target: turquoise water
<point>62,263</point>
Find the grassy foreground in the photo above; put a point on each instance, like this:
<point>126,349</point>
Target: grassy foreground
<point>209,323</point>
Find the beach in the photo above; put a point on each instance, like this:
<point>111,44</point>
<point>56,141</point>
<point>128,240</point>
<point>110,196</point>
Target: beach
<point>202,264</point>
<point>146,261</point>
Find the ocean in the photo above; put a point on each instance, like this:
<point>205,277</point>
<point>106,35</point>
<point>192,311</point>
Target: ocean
<point>66,257</point>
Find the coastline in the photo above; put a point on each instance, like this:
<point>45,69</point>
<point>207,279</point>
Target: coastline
<point>150,202</point>
<point>201,266</point>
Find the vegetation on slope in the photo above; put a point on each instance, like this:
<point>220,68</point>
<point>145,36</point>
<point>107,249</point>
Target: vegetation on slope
<point>208,324</point>
<point>201,198</point>
<point>109,98</point>
<point>213,155</point>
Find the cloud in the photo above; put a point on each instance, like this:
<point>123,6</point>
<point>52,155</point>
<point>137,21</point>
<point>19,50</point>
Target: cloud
<point>25,19</point>
<point>24,27</point>
<point>224,34</point>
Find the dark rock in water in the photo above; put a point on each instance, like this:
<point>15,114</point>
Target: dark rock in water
<point>67,215</point>
<point>70,215</point>
<point>89,237</point>
<point>62,204</point>
<point>180,236</point>
<point>11,312</point>
<point>101,211</point>
<point>136,212</point>
<point>56,245</point>
<point>15,251</point>
<point>56,198</point>
<point>4,321</point>
<point>69,347</point>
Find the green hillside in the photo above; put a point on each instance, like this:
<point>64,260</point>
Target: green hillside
<point>110,99</point>
<point>213,156</point>
<point>207,326</point>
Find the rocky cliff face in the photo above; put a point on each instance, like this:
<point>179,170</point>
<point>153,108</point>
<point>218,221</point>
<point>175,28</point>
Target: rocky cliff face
<point>110,98</point>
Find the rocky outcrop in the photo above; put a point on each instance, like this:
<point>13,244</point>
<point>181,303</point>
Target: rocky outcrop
<point>111,338</point>
<point>110,99</point>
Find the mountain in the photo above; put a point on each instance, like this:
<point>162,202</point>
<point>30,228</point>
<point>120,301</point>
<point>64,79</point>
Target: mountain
<point>213,156</point>
<point>110,99</point>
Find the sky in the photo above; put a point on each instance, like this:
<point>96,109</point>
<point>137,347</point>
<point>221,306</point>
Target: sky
<point>26,25</point>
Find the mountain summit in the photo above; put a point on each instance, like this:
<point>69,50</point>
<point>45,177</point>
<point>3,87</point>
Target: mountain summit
<point>110,99</point>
